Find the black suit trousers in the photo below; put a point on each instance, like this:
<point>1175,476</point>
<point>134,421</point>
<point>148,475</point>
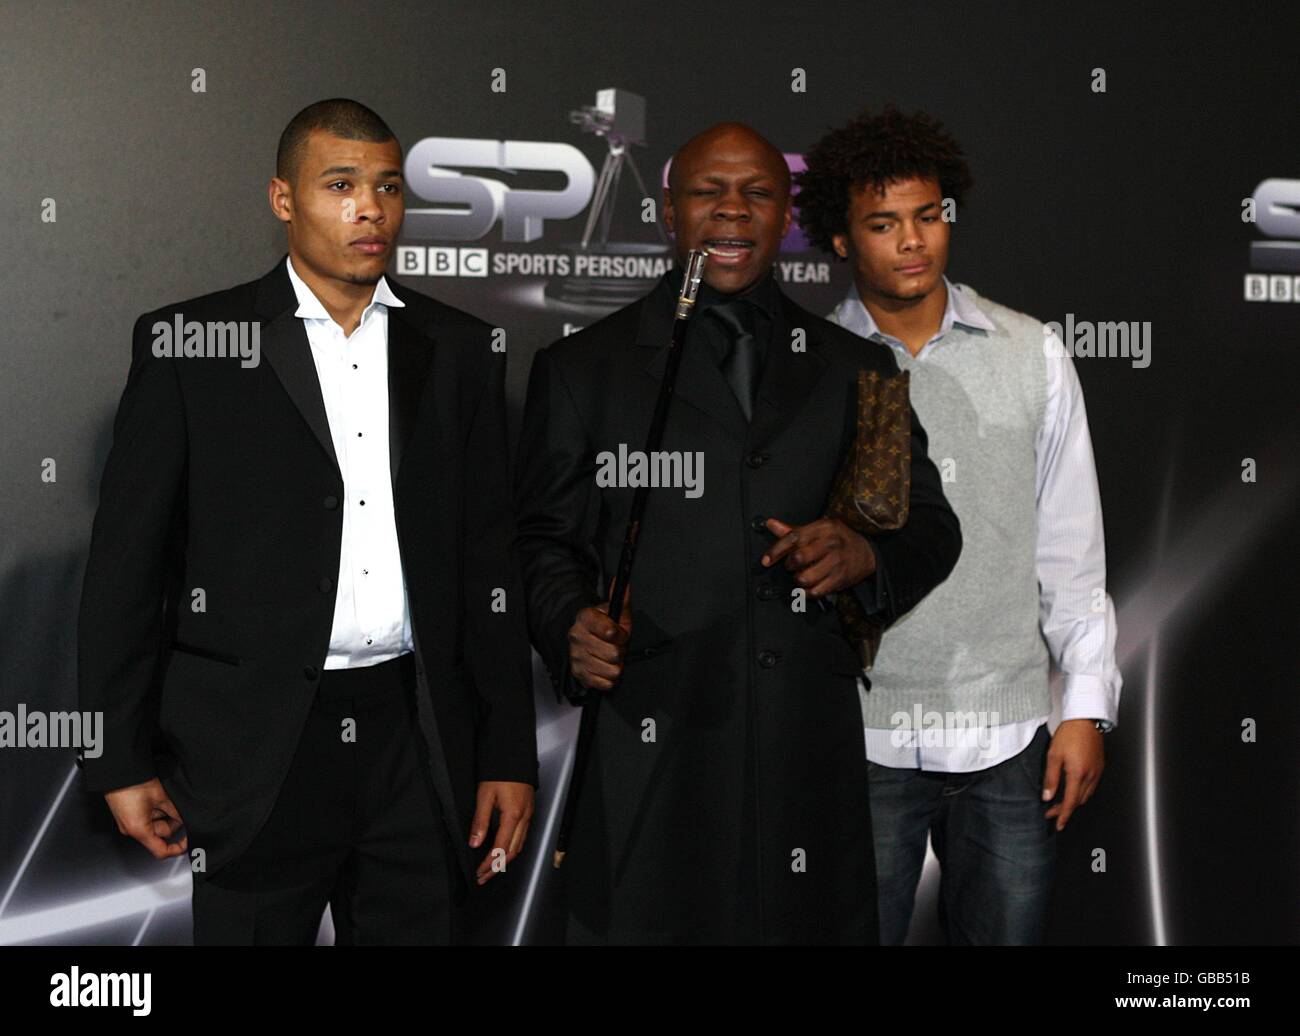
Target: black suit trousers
<point>356,825</point>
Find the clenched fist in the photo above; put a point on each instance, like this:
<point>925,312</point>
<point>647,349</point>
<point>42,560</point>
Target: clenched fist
<point>597,645</point>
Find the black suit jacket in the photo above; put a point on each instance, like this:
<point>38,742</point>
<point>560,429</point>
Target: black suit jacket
<point>223,478</point>
<point>686,830</point>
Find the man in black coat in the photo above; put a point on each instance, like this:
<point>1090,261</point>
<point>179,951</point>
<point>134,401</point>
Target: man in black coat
<point>300,616</point>
<point>727,794</point>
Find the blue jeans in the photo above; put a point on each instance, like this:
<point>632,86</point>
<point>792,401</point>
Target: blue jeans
<point>997,855</point>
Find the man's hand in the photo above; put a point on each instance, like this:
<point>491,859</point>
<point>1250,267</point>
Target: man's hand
<point>513,802</point>
<point>1077,749</point>
<point>825,555</point>
<point>597,644</point>
<point>144,812</point>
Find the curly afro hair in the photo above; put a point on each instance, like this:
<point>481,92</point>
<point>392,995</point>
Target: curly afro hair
<point>874,149</point>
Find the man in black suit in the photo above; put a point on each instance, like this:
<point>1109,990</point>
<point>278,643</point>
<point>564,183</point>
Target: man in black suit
<point>727,791</point>
<point>301,618</point>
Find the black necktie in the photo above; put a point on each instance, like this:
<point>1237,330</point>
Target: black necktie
<point>741,365</point>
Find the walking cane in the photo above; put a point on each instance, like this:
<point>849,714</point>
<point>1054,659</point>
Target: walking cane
<point>591,707</point>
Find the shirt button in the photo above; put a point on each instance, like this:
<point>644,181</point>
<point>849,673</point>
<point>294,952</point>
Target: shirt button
<point>331,502</point>
<point>766,592</point>
<point>756,459</point>
<point>310,672</point>
<point>326,584</point>
<point>756,523</point>
<point>767,659</point>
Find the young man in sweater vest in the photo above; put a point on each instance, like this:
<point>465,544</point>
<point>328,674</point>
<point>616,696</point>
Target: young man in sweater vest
<point>956,715</point>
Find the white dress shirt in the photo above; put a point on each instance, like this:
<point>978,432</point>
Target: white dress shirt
<point>1070,555</point>
<point>372,619</point>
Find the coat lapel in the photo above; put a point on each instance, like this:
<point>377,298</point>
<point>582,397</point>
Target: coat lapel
<point>788,376</point>
<point>285,346</point>
<point>287,350</point>
<point>699,382</point>
<point>409,358</point>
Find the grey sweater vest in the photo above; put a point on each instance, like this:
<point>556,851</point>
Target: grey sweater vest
<point>974,644</point>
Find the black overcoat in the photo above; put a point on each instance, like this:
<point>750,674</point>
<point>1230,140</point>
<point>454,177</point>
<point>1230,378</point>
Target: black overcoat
<point>727,800</point>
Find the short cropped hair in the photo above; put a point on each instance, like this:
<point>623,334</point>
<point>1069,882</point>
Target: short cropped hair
<point>340,116</point>
<point>874,149</point>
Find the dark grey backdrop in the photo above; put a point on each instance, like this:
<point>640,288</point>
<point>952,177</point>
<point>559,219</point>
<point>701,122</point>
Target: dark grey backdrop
<point>1117,206</point>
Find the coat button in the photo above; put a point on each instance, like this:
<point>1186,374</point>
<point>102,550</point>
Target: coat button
<point>756,459</point>
<point>331,502</point>
<point>756,523</point>
<point>311,672</point>
<point>767,659</point>
<point>326,584</point>
<point>766,592</point>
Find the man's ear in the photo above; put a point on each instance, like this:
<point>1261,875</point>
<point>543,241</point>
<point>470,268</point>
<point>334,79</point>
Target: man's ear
<point>670,216</point>
<point>280,197</point>
<point>841,245</point>
<point>789,215</point>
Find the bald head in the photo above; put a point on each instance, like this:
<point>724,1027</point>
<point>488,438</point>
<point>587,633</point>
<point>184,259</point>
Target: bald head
<point>729,192</point>
<point>727,138</point>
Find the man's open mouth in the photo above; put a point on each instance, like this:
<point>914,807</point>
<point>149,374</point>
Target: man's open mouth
<point>729,248</point>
